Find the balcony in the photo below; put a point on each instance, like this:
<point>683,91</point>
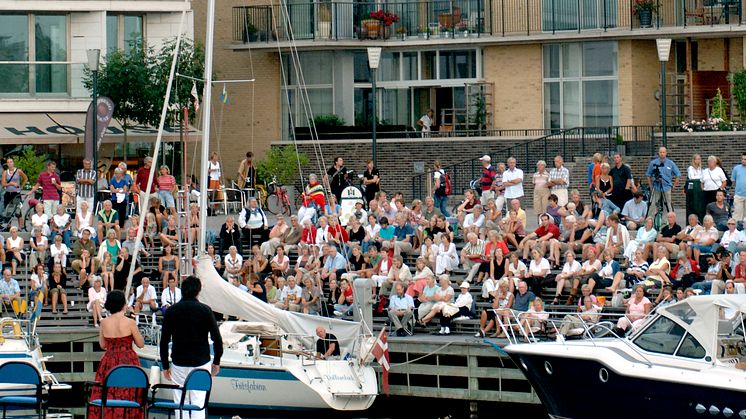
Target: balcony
<point>455,19</point>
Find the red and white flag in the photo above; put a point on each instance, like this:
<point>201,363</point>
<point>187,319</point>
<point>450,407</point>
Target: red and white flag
<point>195,96</point>
<point>381,353</point>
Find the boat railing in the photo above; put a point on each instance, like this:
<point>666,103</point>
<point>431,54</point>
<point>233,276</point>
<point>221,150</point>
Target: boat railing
<point>513,327</point>
<point>18,328</point>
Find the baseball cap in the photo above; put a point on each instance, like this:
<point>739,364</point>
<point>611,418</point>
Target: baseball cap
<point>485,158</point>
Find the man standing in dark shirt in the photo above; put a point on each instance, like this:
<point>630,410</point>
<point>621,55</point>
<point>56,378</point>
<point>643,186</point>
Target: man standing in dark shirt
<point>336,177</point>
<point>188,324</point>
<point>621,175</point>
<point>327,345</point>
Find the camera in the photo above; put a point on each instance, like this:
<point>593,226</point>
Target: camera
<point>657,171</point>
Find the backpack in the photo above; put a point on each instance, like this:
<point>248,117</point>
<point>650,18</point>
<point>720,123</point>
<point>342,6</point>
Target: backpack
<point>447,183</point>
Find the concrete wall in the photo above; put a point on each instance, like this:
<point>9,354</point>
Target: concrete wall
<point>251,119</point>
<point>396,158</point>
<point>516,71</point>
<point>639,79</point>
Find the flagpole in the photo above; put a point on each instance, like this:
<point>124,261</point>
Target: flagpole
<point>210,29</point>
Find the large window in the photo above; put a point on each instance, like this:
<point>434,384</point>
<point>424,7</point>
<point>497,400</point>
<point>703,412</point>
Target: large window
<point>123,31</point>
<point>580,85</point>
<point>40,38</point>
<point>564,15</point>
<point>318,81</point>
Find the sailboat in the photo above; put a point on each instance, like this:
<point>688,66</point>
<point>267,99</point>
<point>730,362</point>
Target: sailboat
<point>268,360</point>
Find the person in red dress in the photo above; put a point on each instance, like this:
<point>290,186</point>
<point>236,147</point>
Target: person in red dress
<point>116,335</point>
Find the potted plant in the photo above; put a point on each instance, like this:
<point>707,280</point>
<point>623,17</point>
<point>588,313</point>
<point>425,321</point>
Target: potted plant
<point>445,32</point>
<point>644,10</point>
<point>250,32</point>
<point>422,31</point>
<point>463,29</point>
<point>386,19</point>
<point>402,32</point>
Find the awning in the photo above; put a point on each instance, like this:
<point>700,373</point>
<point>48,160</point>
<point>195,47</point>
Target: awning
<point>67,128</point>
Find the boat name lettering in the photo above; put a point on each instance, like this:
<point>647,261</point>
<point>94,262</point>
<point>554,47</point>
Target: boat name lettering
<point>337,377</point>
<point>248,386</point>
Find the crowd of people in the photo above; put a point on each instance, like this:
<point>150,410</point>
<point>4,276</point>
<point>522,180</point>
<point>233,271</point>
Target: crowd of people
<point>599,237</point>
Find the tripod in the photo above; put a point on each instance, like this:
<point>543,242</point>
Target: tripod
<point>661,204</point>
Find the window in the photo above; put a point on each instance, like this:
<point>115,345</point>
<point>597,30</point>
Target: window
<point>318,75</point>
<point>580,85</point>
<point>566,15</point>
<point>123,31</point>
<point>28,37</point>
<point>661,337</point>
<point>14,46</point>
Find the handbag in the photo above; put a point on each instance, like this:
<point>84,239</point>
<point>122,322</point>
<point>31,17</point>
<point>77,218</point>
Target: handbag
<point>449,310</point>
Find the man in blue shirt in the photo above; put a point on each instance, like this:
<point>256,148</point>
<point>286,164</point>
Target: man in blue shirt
<point>403,233</point>
<point>662,180</point>
<point>334,266</point>
<point>739,183</point>
<point>401,308</point>
<point>10,292</point>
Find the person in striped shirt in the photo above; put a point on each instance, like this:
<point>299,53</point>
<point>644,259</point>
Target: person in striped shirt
<point>85,182</point>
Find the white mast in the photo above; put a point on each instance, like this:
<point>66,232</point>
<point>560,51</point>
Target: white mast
<point>206,127</point>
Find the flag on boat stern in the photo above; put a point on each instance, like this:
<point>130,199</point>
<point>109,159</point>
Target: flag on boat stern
<point>381,352</point>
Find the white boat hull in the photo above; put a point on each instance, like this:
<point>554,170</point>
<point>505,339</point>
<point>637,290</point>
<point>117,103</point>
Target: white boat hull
<point>286,384</point>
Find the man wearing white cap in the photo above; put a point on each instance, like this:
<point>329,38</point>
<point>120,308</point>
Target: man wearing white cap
<point>488,177</point>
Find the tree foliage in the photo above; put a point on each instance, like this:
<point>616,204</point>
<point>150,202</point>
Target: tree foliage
<point>191,63</point>
<point>31,163</point>
<point>739,92</point>
<point>136,79</point>
<point>281,162</point>
<point>126,78</point>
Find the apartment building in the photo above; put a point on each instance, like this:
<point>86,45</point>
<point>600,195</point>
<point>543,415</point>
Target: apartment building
<point>43,46</point>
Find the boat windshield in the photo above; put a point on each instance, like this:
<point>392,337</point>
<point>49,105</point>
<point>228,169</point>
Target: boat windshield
<point>664,336</point>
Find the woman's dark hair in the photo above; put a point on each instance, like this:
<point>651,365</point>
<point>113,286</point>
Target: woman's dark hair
<point>115,301</point>
<point>191,287</point>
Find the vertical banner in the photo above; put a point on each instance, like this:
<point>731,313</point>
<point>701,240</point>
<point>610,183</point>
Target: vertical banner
<point>104,113</point>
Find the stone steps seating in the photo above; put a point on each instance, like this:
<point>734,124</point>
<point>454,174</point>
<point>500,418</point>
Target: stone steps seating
<point>79,317</point>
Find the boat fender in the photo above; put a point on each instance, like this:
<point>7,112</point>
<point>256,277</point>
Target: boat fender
<point>155,375</point>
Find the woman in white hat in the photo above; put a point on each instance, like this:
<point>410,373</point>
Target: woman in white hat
<point>461,308</point>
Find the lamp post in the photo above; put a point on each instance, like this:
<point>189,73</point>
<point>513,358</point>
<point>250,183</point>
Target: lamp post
<point>94,56</point>
<point>374,59</point>
<point>664,50</point>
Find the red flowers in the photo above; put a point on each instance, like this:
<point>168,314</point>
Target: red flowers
<point>387,18</point>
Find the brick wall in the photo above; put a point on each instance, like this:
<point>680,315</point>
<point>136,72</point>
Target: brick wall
<point>396,158</point>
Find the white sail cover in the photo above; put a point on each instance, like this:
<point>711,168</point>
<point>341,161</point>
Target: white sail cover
<point>700,315</point>
<point>225,298</point>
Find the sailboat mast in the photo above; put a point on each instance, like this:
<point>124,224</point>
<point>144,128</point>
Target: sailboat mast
<point>206,126</point>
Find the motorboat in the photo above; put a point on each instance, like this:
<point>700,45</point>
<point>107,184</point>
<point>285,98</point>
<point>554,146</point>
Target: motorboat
<point>269,361</point>
<point>685,361</point>
<point>19,342</point>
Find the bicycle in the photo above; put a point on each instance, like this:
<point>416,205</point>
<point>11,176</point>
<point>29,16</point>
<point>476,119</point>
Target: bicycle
<point>278,202</point>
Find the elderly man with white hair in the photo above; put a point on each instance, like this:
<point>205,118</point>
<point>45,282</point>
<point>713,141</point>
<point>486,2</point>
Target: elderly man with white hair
<point>144,297</point>
<point>471,255</point>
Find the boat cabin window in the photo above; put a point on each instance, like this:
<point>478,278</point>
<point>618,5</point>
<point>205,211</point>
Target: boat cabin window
<point>690,348</point>
<point>661,337</point>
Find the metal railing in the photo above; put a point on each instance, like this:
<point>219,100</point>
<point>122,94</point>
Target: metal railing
<point>336,20</point>
<point>569,143</point>
<point>347,20</point>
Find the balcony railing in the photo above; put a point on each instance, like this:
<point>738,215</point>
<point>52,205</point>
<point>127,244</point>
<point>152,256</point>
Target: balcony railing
<point>347,20</point>
<point>470,18</point>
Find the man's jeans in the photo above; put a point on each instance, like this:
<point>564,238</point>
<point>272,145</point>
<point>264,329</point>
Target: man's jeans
<point>441,203</point>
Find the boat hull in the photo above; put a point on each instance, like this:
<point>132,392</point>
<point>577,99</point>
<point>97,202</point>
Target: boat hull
<point>281,388</point>
<point>586,388</point>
